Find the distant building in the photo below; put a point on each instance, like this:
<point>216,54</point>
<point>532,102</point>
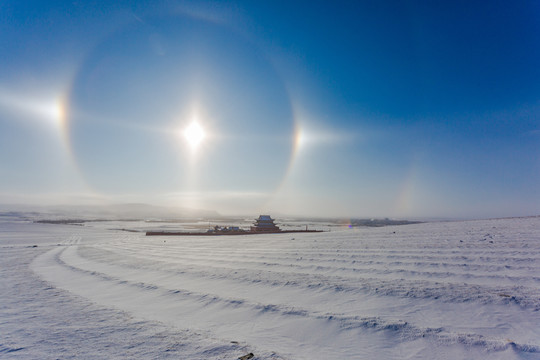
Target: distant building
<point>224,229</point>
<point>265,224</point>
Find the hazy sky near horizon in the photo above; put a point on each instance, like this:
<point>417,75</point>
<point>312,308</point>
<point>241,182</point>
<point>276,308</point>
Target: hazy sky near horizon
<point>366,108</point>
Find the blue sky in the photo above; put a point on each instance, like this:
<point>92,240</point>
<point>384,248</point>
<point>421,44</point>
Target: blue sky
<point>368,108</point>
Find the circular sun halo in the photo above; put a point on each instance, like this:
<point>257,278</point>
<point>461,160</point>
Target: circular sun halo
<point>194,135</point>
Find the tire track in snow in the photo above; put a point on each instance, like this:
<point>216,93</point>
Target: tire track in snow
<point>203,312</point>
<point>434,288</point>
<point>208,302</point>
<point>474,274</point>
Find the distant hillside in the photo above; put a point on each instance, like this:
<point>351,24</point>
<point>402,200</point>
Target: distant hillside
<point>380,222</point>
<point>107,212</point>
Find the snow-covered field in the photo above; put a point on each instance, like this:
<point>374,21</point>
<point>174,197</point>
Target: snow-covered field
<point>447,290</point>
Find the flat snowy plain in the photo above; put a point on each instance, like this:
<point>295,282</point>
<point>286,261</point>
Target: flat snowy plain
<point>440,290</point>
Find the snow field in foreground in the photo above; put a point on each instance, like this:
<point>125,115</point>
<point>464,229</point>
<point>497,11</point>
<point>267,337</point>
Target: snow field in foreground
<point>39,321</point>
<point>435,290</point>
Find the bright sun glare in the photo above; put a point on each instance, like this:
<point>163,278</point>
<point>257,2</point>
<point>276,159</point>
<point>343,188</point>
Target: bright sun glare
<point>194,135</point>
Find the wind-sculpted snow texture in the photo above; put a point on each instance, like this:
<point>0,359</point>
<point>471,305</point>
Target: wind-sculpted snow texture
<point>444,290</point>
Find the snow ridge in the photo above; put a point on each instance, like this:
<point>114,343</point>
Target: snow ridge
<point>457,290</point>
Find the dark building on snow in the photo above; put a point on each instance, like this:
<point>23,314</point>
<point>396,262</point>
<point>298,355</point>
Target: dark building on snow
<point>265,224</point>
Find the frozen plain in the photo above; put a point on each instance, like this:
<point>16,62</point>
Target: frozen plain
<point>440,290</point>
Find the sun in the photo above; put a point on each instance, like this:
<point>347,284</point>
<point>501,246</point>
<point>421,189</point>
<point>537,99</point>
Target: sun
<point>194,135</point>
